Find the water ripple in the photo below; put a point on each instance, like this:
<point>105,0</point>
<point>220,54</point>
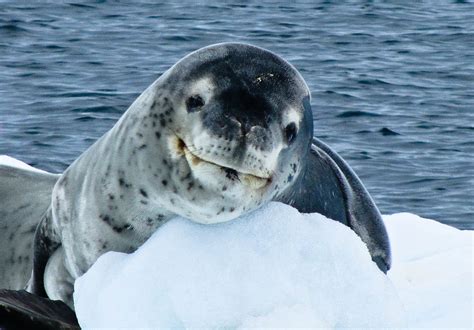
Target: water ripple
<point>391,82</point>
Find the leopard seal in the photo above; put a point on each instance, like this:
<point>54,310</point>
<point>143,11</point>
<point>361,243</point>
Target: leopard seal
<point>226,129</point>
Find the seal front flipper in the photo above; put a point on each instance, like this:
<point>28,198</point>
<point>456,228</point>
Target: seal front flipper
<point>25,195</point>
<point>45,244</point>
<point>328,185</point>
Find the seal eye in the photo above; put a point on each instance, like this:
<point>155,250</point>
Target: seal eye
<point>290,133</point>
<point>194,103</point>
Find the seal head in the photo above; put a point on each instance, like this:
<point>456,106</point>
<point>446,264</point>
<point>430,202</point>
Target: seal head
<point>241,125</point>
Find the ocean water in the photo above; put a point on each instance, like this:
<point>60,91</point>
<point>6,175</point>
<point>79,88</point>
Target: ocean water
<point>392,84</point>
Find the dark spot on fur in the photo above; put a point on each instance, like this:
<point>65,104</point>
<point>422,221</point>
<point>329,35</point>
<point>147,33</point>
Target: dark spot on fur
<point>224,188</point>
<point>143,146</point>
<point>57,203</point>
<point>143,193</point>
<point>123,183</point>
<point>231,174</point>
<point>190,186</point>
<point>232,209</point>
<point>158,134</point>
<point>106,218</point>
<point>153,104</point>
<point>162,122</point>
<point>290,178</point>
<point>221,210</point>
<point>293,167</point>
<point>164,182</point>
<point>144,202</point>
<point>140,135</point>
<point>111,197</point>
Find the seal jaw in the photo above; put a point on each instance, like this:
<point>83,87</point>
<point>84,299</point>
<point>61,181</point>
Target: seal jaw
<point>250,180</point>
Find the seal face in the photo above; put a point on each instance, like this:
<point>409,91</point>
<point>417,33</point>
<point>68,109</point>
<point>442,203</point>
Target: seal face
<point>237,122</point>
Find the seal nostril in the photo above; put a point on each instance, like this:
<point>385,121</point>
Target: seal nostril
<point>290,133</point>
<point>194,103</point>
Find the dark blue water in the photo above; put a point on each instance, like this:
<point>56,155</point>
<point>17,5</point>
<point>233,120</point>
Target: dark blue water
<point>392,84</point>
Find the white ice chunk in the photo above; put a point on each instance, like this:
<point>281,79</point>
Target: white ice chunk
<point>272,268</point>
<point>433,271</point>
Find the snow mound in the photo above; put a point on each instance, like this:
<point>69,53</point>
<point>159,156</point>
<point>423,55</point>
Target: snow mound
<point>432,271</point>
<point>274,267</point>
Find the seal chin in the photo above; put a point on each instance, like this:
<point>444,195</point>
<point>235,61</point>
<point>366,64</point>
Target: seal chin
<point>249,180</point>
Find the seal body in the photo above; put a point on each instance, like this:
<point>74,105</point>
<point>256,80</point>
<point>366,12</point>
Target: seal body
<point>225,130</point>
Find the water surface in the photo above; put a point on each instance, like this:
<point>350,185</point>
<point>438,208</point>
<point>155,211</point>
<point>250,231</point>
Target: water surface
<point>392,84</point>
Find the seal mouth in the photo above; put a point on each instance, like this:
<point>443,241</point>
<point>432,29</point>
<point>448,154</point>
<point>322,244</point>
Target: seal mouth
<point>251,180</point>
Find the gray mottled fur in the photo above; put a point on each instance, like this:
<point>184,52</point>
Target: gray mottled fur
<point>25,196</point>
